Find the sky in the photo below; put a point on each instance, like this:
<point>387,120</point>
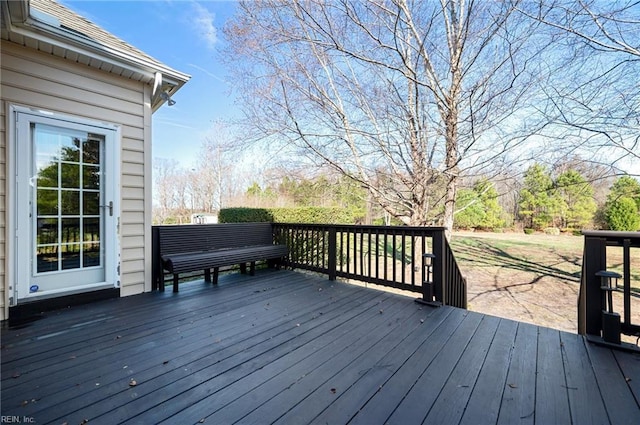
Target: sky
<point>184,35</point>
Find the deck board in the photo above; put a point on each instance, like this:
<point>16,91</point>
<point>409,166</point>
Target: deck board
<point>614,387</point>
<point>425,391</point>
<point>630,367</point>
<point>452,401</point>
<point>552,400</point>
<point>488,389</point>
<point>518,400</point>
<point>293,348</point>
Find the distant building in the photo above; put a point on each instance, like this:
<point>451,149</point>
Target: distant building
<point>204,218</point>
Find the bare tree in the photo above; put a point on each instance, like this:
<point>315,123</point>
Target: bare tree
<point>165,172</point>
<point>398,95</point>
<point>597,100</point>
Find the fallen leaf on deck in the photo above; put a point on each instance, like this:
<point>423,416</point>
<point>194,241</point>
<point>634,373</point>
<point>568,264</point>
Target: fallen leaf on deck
<point>16,375</point>
<point>133,383</point>
<point>627,379</point>
<point>333,390</point>
<point>513,386</point>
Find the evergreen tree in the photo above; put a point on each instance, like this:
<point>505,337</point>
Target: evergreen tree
<point>493,212</point>
<point>625,187</point>
<point>577,206</point>
<point>539,206</point>
<point>479,207</point>
<point>470,213</point>
<point>622,209</point>
<point>623,215</point>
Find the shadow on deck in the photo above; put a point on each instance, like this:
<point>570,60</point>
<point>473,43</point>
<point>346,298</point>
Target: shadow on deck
<point>293,348</point>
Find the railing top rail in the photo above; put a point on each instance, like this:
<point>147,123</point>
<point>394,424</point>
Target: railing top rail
<point>202,225</point>
<point>611,234</point>
<point>614,237</point>
<point>368,227</point>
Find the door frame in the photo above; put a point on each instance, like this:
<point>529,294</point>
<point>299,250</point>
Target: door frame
<point>16,233</point>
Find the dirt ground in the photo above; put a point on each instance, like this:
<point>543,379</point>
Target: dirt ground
<point>529,278</point>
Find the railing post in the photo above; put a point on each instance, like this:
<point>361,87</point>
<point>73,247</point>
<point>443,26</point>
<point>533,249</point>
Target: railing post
<point>626,261</point>
<point>333,248</point>
<point>156,271</point>
<point>439,266</point>
<point>590,309</point>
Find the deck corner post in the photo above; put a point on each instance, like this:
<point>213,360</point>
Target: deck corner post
<point>439,266</point>
<point>589,309</point>
<point>332,246</point>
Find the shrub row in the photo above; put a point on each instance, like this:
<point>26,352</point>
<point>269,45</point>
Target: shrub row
<point>292,215</point>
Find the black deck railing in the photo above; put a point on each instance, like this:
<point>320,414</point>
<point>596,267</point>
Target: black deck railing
<point>416,259</point>
<point>602,316</point>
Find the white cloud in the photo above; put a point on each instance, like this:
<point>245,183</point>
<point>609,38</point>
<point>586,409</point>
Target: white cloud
<point>203,20</point>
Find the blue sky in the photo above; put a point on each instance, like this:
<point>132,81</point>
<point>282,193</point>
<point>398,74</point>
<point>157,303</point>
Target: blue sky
<point>184,35</point>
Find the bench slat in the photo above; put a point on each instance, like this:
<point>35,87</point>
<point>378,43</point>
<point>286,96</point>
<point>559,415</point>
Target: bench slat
<point>198,261</point>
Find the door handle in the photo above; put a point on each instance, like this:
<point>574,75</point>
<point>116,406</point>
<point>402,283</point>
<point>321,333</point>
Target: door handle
<point>110,206</point>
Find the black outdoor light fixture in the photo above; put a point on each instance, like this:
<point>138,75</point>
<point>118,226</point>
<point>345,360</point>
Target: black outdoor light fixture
<point>610,319</point>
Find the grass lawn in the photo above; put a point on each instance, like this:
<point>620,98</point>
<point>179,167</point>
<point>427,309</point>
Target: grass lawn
<point>530,278</point>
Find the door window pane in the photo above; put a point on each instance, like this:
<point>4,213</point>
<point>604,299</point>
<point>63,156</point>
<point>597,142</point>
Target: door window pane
<point>91,254</point>
<point>69,148</point>
<point>70,230</point>
<point>70,256</point>
<point>47,202</point>
<point>91,177</point>
<point>47,231</point>
<point>70,175</point>
<point>47,257</point>
<point>91,229</point>
<point>70,202</point>
<point>48,175</point>
<point>91,203</point>
<point>91,150</point>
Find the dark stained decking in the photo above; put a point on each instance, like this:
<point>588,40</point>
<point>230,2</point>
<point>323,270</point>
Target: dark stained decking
<point>291,348</point>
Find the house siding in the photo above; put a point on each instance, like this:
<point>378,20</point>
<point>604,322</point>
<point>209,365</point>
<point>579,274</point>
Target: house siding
<point>34,79</point>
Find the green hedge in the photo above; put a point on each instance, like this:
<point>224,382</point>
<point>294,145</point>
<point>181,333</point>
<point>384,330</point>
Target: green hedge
<point>292,215</point>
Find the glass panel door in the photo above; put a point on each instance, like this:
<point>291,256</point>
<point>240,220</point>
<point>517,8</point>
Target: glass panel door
<point>66,209</point>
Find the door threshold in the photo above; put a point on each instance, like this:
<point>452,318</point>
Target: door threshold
<point>25,313</point>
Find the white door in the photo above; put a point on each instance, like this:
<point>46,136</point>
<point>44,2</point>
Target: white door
<point>66,206</point>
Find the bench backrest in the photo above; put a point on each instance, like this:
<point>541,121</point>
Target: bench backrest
<point>208,237</point>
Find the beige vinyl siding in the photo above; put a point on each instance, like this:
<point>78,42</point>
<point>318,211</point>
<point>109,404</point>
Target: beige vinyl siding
<point>34,79</point>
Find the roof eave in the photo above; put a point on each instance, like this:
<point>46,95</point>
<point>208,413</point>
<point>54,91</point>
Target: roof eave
<point>23,24</point>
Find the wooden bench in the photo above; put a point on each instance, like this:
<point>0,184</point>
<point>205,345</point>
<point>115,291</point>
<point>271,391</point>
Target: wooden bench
<point>187,248</point>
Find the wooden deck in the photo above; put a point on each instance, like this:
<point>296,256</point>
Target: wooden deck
<point>291,348</point>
